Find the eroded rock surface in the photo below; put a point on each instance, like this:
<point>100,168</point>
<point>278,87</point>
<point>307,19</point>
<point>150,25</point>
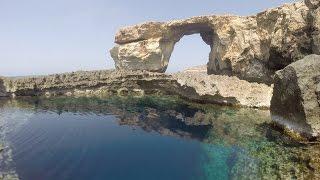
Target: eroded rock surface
<point>79,83</point>
<point>3,92</point>
<point>312,4</point>
<point>199,87</point>
<point>295,102</point>
<point>197,69</point>
<point>223,90</point>
<point>314,16</point>
<point>252,47</point>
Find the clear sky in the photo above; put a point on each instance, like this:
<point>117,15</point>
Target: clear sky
<point>51,36</point>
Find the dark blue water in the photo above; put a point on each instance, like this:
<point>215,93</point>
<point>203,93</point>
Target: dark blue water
<point>77,146</point>
<point>147,138</point>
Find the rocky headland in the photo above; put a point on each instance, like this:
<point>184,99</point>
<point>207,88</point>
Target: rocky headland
<point>253,59</point>
<point>269,47</point>
<point>252,48</point>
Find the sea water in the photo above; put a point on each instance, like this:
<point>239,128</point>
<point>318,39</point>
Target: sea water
<point>151,137</point>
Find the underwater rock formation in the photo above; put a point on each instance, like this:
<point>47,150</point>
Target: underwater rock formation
<point>296,101</point>
<point>266,153</point>
<point>251,47</point>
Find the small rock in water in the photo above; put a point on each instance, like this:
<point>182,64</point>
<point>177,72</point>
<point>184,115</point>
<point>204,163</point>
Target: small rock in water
<point>1,148</point>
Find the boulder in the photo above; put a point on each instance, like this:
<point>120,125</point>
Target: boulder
<point>252,48</point>
<point>295,103</point>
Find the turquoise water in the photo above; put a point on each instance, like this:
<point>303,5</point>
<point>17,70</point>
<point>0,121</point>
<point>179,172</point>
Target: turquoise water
<point>141,138</point>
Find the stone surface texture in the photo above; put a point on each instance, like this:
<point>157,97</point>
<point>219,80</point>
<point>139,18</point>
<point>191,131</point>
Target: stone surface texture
<point>314,16</point>
<point>295,102</point>
<point>3,92</point>
<point>222,89</point>
<point>197,69</point>
<point>198,87</point>
<point>251,47</point>
<point>312,4</point>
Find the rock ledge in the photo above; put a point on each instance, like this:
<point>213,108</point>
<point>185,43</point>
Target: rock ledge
<point>198,87</point>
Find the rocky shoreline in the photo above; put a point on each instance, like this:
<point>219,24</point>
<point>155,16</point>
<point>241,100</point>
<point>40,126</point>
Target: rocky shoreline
<point>248,55</point>
<point>277,46</point>
<point>268,61</point>
<point>223,90</point>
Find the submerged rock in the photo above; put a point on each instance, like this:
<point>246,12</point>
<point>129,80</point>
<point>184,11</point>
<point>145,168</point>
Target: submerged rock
<point>251,47</point>
<point>1,147</point>
<point>295,102</point>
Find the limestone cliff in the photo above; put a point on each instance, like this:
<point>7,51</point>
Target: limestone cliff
<point>252,47</point>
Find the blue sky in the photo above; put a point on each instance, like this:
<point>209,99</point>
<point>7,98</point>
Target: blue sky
<point>51,36</point>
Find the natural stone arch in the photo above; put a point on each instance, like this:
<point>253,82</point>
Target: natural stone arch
<point>251,47</point>
<point>149,46</point>
<point>153,53</point>
<point>179,32</point>
<point>190,54</point>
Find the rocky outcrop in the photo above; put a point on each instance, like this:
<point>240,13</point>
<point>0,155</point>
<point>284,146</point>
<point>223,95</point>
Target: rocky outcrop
<point>79,83</point>
<point>312,4</point>
<point>295,102</point>
<point>314,16</point>
<point>318,91</point>
<point>223,90</point>
<point>197,69</point>
<point>3,92</point>
<point>198,87</point>
<point>252,47</point>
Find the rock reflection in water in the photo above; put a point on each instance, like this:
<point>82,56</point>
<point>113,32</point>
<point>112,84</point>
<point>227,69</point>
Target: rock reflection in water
<point>165,115</point>
<point>236,143</point>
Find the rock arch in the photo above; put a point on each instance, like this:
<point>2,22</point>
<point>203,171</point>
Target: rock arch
<point>252,47</point>
<point>149,46</point>
<point>180,32</point>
